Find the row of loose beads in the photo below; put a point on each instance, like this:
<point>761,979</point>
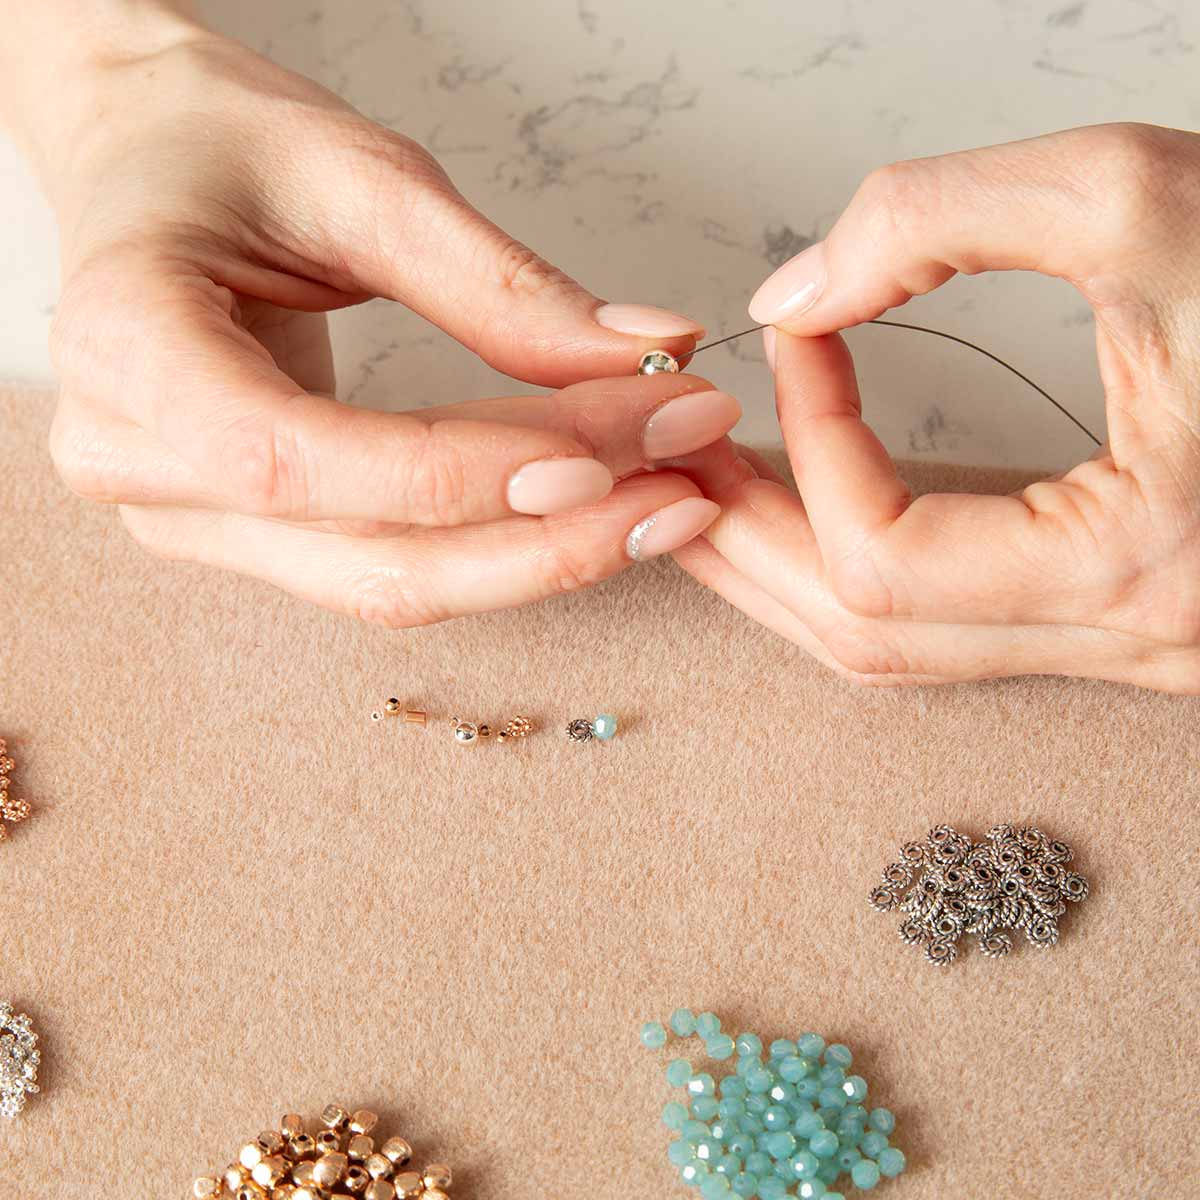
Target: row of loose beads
<point>789,1121</point>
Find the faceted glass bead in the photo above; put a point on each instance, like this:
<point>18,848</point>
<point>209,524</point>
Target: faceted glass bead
<point>701,1085</point>
<point>782,1048</point>
<point>681,1153</point>
<point>883,1120</point>
<point>832,1097</point>
<point>604,727</point>
<point>855,1088</point>
<point>695,1130</point>
<point>714,1187</point>
<point>731,1106</point>
<point>805,1165</point>
<point>891,1162</point>
<point>829,1171</point>
<point>749,1043</point>
<point>758,1163</point>
<point>772,1188</point>
<point>808,1088</point>
<point>757,1103</point>
<point>838,1055</point>
<point>810,1189</point>
<point>694,1173</point>
<point>674,1115</point>
<point>745,1185</point>
<point>729,1165</point>
<point>759,1080</point>
<point>780,1145</point>
<point>793,1067</point>
<point>683,1023</point>
<point>708,1025</point>
<point>847,1156</point>
<point>807,1124</point>
<point>811,1045</point>
<point>679,1071</point>
<point>865,1174</point>
<point>740,1144</point>
<point>654,1036</point>
<point>777,1118</point>
<point>704,1108</point>
<point>708,1150</point>
<point>873,1144</point>
<point>832,1076</point>
<point>781,1093</point>
<point>719,1047</point>
<point>733,1086</point>
<point>824,1143</point>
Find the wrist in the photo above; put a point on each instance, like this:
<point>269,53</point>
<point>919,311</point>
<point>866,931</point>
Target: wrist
<point>59,60</point>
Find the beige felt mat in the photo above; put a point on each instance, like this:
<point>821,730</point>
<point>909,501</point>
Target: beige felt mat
<point>240,897</point>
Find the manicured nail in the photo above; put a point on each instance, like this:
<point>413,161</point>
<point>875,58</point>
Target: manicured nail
<point>557,484</point>
<point>688,423</point>
<point>769,345</point>
<point>644,321</point>
<point>670,527</point>
<point>793,289</point>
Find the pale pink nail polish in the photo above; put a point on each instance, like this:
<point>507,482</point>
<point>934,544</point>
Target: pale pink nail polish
<point>642,320</point>
<point>670,527</point>
<point>769,345</point>
<point>555,485</point>
<point>793,289</point>
<point>688,423</point>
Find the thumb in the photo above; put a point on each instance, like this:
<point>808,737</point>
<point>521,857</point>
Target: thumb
<point>432,251</point>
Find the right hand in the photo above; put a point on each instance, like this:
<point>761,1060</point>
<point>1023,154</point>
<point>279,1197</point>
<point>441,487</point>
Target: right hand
<point>213,207</point>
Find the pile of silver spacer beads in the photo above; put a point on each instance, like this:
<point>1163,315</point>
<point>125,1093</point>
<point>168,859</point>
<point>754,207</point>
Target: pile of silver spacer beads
<point>948,886</point>
<point>340,1162</point>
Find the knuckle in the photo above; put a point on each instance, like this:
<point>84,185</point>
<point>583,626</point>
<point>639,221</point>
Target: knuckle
<point>522,272</point>
<point>264,471</point>
<point>1134,171</point>
<point>560,567</point>
<point>435,482</point>
<point>392,599</point>
<point>863,656</point>
<point>895,197</point>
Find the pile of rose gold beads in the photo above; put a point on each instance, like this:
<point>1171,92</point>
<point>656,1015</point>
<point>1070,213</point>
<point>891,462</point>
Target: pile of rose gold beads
<point>11,809</point>
<point>341,1162</point>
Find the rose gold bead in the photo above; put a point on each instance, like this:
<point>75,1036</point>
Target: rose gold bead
<point>329,1168</point>
<point>379,1166</point>
<point>302,1145</point>
<point>397,1151</point>
<point>379,1189</point>
<point>327,1141</point>
<point>334,1116</point>
<point>307,1192</point>
<point>414,716</point>
<point>249,1191</point>
<point>363,1121</point>
<point>360,1147</point>
<point>284,1191</point>
<point>391,705</point>
<point>302,1173</point>
<point>270,1171</point>
<point>408,1186</point>
<point>269,1141</point>
<point>356,1180</point>
<point>437,1175</point>
<point>206,1187</point>
<point>234,1176</point>
<point>291,1126</point>
<point>434,1194</point>
<point>250,1155</point>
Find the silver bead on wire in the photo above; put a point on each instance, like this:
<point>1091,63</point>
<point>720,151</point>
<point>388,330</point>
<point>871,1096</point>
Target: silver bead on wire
<point>948,886</point>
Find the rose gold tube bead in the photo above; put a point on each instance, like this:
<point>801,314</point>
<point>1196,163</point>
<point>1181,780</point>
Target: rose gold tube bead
<point>414,716</point>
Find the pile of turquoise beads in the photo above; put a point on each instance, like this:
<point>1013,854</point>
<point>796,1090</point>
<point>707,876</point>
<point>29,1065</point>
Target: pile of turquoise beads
<point>787,1121</point>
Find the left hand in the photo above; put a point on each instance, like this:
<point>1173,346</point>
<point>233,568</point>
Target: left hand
<point>1096,573</point>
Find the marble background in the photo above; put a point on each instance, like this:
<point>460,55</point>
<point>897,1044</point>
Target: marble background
<point>673,153</point>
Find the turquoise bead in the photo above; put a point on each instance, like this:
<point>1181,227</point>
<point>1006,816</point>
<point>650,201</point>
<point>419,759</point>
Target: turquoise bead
<point>693,1131</point>
<point>683,1022</point>
<point>708,1025</point>
<point>782,1048</point>
<point>694,1173</point>
<point>847,1156</point>
<point>745,1185</point>
<point>891,1162</point>
<point>807,1124</point>
<point>834,1196</point>
<point>741,1144</point>
<point>680,1153</point>
<point>757,1104</point>
<point>759,1080</point>
<point>783,1168</point>
<point>654,1036</point>
<point>873,1144</point>
<point>708,1150</point>
<point>732,1106</point>
<point>674,1115</point>
<point>749,1043</point>
<point>780,1145</point>
<point>832,1097</point>
<point>719,1047</point>
<point>805,1165</point>
<point>729,1165</point>
<point>704,1108</point>
<point>838,1055</point>
<point>824,1143</point>
<point>811,1045</point>
<point>810,1189</point>
<point>701,1085</point>
<point>714,1187</point>
<point>776,1118</point>
<point>746,1064</point>
<point>857,1112</point>
<point>604,726</point>
<point>758,1163</point>
<point>772,1188</point>
<point>830,1115</point>
<point>832,1076</point>
<point>829,1172</point>
<point>793,1068</point>
<point>865,1174</point>
<point>720,1130</point>
<point>855,1088</point>
<point>883,1120</point>
<point>679,1071</point>
<point>733,1086</point>
<point>808,1088</point>
<point>781,1093</point>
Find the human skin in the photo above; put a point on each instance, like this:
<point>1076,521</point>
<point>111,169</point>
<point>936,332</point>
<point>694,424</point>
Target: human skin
<point>1094,573</point>
<point>212,208</point>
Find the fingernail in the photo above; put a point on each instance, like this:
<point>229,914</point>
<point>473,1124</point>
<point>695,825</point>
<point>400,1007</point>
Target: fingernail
<point>670,527</point>
<point>689,422</point>
<point>769,345</point>
<point>645,321</point>
<point>793,289</point>
<point>558,484</point>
